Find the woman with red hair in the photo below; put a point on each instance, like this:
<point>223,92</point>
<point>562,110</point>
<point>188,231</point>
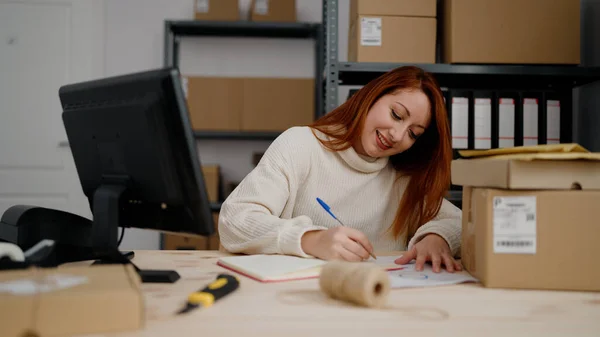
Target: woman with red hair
<point>381,161</point>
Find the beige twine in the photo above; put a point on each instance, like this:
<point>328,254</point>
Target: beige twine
<point>365,284</point>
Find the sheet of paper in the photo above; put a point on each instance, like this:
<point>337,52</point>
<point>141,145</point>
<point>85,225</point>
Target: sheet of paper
<point>269,266</point>
<point>408,277</point>
<point>384,260</point>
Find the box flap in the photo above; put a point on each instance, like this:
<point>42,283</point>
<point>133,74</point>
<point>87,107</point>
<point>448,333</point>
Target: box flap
<point>577,170</point>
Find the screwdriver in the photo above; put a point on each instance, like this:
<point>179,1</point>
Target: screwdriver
<point>222,286</point>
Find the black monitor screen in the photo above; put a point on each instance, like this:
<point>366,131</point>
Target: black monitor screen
<point>135,152</point>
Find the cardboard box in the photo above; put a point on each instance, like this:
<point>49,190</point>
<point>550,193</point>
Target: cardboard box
<point>392,39</point>
<point>212,174</point>
<point>249,104</point>
<point>273,10</point>
<point>217,10</point>
<point>214,241</point>
<point>511,31</point>
<point>214,103</point>
<point>532,239</point>
<point>184,242</point>
<point>570,167</point>
<point>419,8</point>
<point>71,300</point>
<point>176,241</point>
<point>527,174</point>
<point>276,104</point>
<point>530,216</point>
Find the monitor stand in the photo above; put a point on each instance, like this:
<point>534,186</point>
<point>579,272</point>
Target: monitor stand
<point>77,238</point>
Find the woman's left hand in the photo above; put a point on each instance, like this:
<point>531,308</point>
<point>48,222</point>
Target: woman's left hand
<point>432,248</point>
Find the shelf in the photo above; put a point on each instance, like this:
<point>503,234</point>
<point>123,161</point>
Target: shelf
<point>236,135</point>
<point>480,76</point>
<point>455,197</point>
<point>216,206</point>
<point>244,29</point>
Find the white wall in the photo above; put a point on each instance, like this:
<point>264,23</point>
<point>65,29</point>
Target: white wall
<point>134,42</point>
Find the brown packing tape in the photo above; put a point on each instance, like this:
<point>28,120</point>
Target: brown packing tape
<point>364,284</point>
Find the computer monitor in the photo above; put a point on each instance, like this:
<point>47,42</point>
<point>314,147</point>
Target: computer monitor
<point>136,156</point>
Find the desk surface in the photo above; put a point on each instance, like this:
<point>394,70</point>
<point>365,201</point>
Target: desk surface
<point>298,308</point>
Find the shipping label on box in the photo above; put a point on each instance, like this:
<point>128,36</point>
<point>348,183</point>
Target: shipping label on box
<point>514,222</point>
<point>273,10</point>
<point>261,7</point>
<point>370,31</point>
<point>202,6</point>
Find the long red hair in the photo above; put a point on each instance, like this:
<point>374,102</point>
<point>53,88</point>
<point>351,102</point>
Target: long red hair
<point>427,162</point>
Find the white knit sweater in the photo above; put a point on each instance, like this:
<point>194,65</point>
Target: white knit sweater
<point>276,204</point>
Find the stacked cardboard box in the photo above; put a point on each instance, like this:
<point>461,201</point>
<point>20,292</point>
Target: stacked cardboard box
<point>71,300</point>
<point>511,31</point>
<point>392,31</point>
<point>260,10</point>
<point>530,216</point>
<point>212,180</point>
<point>249,104</point>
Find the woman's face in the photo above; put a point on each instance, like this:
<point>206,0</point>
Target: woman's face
<point>394,123</point>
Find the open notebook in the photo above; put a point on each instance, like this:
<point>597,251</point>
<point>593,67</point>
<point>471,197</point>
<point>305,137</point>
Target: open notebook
<point>277,268</point>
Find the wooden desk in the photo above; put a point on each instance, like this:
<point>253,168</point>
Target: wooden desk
<point>298,308</point>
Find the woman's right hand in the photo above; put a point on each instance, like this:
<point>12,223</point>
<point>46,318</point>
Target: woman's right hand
<point>338,243</point>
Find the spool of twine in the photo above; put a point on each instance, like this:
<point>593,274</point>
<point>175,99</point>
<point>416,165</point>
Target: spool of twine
<point>364,284</point>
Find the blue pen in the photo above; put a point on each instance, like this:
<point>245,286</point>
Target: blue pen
<point>328,209</point>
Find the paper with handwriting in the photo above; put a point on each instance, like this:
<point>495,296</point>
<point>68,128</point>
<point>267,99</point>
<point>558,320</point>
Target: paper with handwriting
<point>408,277</point>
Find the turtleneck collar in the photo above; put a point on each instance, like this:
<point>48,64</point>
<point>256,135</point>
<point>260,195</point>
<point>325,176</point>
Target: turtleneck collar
<point>362,163</point>
<point>356,161</point>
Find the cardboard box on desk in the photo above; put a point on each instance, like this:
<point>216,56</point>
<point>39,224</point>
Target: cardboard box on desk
<point>511,31</point>
<point>273,10</point>
<point>216,10</point>
<point>519,232</point>
<point>392,31</point>
<point>73,300</point>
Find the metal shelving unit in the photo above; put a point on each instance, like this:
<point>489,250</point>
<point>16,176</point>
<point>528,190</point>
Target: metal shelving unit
<point>175,30</point>
<point>559,79</point>
<point>479,76</point>
<point>234,135</point>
